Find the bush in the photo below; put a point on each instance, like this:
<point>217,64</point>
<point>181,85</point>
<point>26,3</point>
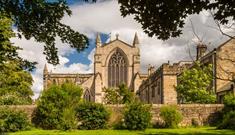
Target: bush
<point>229,102</point>
<point>171,116</point>
<point>228,121</point>
<point>56,107</point>
<point>12,121</point>
<point>137,116</point>
<point>92,115</point>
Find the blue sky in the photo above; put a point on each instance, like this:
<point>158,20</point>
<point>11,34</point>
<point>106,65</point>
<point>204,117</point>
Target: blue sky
<point>82,57</point>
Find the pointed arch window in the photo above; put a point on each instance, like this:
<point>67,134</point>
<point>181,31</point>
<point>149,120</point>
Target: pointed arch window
<point>117,69</point>
<point>87,96</point>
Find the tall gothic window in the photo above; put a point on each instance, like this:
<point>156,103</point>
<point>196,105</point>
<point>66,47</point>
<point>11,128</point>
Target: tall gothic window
<point>117,70</point>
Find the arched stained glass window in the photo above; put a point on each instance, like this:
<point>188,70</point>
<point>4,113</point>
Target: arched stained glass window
<point>117,70</point>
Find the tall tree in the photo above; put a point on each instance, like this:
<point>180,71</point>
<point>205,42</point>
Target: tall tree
<point>41,19</point>
<point>195,85</point>
<point>166,18</point>
<point>15,83</point>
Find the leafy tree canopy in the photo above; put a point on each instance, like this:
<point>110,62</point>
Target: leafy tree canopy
<point>8,52</point>
<point>195,85</point>
<point>120,95</point>
<point>40,19</point>
<point>166,18</point>
<point>15,83</point>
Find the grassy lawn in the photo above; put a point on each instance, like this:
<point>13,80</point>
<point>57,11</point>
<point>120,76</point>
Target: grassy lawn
<point>181,131</point>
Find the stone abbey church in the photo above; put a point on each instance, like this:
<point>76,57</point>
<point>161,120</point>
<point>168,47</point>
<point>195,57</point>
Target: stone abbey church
<point>118,62</point>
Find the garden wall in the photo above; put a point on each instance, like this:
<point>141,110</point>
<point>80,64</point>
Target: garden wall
<point>203,113</point>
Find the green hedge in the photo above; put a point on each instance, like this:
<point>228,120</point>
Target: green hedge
<point>228,121</point>
<point>92,115</point>
<point>56,107</point>
<point>12,121</point>
<point>137,116</point>
<point>171,116</point>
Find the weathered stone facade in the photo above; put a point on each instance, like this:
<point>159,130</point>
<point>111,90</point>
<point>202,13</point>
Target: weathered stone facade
<point>115,62</point>
<point>159,87</point>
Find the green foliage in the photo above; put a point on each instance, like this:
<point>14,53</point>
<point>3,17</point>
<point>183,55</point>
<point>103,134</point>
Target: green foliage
<point>111,96</point>
<point>69,119</point>
<point>171,116</point>
<point>120,95</point>
<point>126,94</point>
<point>228,121</point>
<point>8,52</point>
<point>92,115</point>
<point>229,102</point>
<point>12,121</point>
<point>166,18</point>
<point>41,20</point>
<point>56,107</point>
<point>137,116</point>
<point>195,85</point>
<point>15,83</point>
<point>179,131</point>
<point>15,86</point>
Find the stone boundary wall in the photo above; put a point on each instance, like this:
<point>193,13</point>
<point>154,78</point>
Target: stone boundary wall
<point>203,113</point>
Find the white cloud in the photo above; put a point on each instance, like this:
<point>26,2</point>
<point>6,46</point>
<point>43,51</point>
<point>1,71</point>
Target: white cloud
<point>105,17</point>
<point>33,51</point>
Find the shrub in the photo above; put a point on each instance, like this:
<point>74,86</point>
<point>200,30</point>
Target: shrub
<point>229,102</point>
<point>137,116</point>
<point>228,121</point>
<point>56,107</point>
<point>92,115</point>
<point>12,121</point>
<point>171,116</point>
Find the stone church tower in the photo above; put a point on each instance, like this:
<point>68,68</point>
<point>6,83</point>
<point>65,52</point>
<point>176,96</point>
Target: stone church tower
<point>115,62</point>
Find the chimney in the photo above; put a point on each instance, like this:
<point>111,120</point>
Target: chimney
<point>201,50</point>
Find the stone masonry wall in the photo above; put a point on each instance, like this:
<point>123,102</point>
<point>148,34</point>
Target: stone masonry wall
<point>203,113</point>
